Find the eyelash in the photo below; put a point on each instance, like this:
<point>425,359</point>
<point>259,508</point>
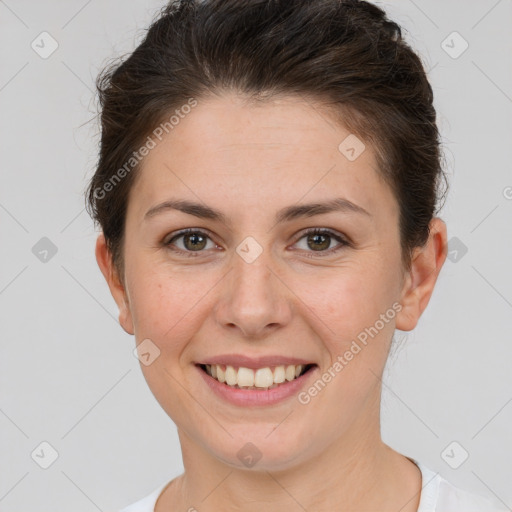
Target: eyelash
<point>311,231</point>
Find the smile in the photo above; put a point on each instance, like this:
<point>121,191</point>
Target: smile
<point>260,378</point>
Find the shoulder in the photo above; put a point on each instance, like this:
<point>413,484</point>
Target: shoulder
<point>439,495</point>
<point>146,504</point>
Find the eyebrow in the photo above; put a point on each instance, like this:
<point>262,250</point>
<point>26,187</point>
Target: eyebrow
<point>284,215</point>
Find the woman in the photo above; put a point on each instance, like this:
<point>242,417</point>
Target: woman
<point>268,180</point>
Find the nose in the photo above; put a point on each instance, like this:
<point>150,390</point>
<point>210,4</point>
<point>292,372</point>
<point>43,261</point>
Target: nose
<point>254,300</point>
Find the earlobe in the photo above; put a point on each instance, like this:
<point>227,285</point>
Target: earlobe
<point>420,281</point>
<point>104,259</point>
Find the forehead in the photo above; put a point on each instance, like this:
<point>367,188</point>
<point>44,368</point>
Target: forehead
<point>282,126</point>
<point>278,151</point>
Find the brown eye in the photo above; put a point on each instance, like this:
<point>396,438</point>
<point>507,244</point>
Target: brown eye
<point>320,241</point>
<point>192,241</point>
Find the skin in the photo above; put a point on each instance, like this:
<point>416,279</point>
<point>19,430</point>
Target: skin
<point>249,162</point>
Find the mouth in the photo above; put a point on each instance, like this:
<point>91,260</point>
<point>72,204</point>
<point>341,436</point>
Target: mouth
<point>258,379</point>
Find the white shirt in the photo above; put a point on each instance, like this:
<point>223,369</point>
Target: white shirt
<point>437,495</point>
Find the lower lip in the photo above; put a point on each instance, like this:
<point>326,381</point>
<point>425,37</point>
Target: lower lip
<point>249,397</point>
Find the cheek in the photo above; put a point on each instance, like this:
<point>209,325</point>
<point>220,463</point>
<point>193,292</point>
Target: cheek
<point>355,336</point>
<point>164,307</point>
<point>346,299</point>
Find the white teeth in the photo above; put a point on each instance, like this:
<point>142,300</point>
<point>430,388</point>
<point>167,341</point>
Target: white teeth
<point>279,375</point>
<point>290,372</point>
<point>245,377</point>
<point>231,376</point>
<point>262,378</point>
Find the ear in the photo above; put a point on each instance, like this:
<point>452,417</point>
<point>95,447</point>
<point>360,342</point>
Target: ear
<point>104,259</point>
<point>420,280</point>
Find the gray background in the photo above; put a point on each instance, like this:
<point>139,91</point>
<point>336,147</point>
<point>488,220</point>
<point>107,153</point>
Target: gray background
<point>67,372</point>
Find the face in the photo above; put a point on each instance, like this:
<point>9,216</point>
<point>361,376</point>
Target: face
<point>251,280</point>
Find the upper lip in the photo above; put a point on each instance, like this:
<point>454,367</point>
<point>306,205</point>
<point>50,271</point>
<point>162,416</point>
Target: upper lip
<point>254,362</point>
